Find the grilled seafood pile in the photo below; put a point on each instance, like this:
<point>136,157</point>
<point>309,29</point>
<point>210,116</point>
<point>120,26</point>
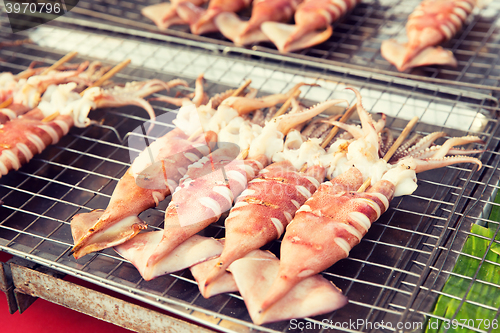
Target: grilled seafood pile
<point>293,25</point>
<point>270,177</point>
<point>321,223</point>
<point>268,21</point>
<point>226,154</point>
<point>39,109</point>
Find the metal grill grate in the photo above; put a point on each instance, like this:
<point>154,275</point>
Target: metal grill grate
<point>395,273</point>
<point>355,43</point>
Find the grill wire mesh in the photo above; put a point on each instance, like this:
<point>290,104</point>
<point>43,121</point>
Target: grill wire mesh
<point>394,275</point>
<point>355,43</point>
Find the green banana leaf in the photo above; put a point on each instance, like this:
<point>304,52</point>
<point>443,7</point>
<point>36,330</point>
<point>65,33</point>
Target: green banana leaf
<point>472,314</point>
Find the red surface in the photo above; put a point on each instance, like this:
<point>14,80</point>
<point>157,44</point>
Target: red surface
<point>43,316</point>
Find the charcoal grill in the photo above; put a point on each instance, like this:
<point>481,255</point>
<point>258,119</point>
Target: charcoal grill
<point>394,275</point>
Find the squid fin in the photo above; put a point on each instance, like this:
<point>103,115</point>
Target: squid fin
<point>194,250</point>
<point>279,34</point>
<point>230,25</point>
<point>81,223</point>
<point>312,296</point>
<point>89,240</point>
<point>395,53</point>
<point>162,14</point>
<point>223,284</point>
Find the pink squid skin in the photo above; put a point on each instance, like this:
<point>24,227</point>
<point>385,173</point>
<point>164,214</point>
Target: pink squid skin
<point>319,14</point>
<point>12,112</point>
<point>270,10</point>
<point>215,7</point>
<point>270,196</point>
<point>165,14</point>
<point>188,199</point>
<point>21,139</point>
<point>313,19</point>
<point>432,22</point>
<point>129,199</point>
<point>249,32</point>
<point>323,230</point>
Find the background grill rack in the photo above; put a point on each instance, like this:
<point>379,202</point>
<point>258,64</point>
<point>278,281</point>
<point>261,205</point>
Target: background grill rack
<point>395,274</point>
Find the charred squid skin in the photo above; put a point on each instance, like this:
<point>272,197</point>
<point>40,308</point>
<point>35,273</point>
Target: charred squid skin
<point>343,217</point>
<point>263,211</point>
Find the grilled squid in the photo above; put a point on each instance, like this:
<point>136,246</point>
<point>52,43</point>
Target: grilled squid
<point>243,33</point>
<point>164,14</point>
<point>313,19</point>
<point>433,22</point>
<point>205,192</point>
<point>21,139</point>
<point>211,185</point>
<point>326,228</point>
<point>26,93</point>
<point>138,190</point>
<point>202,21</point>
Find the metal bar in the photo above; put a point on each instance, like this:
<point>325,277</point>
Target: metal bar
<point>7,287</point>
<point>96,304</point>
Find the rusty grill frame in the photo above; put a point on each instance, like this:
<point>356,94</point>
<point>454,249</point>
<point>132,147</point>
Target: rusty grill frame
<point>79,173</point>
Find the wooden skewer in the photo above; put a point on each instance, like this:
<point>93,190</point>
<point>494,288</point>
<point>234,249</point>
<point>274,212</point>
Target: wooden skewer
<point>238,91</point>
<point>51,117</point>
<point>243,154</point>
<point>61,61</point>
<point>108,75</point>
<point>6,103</point>
<point>56,65</point>
<point>287,103</point>
<point>335,129</point>
<point>401,138</point>
<point>103,79</point>
<point>393,149</point>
